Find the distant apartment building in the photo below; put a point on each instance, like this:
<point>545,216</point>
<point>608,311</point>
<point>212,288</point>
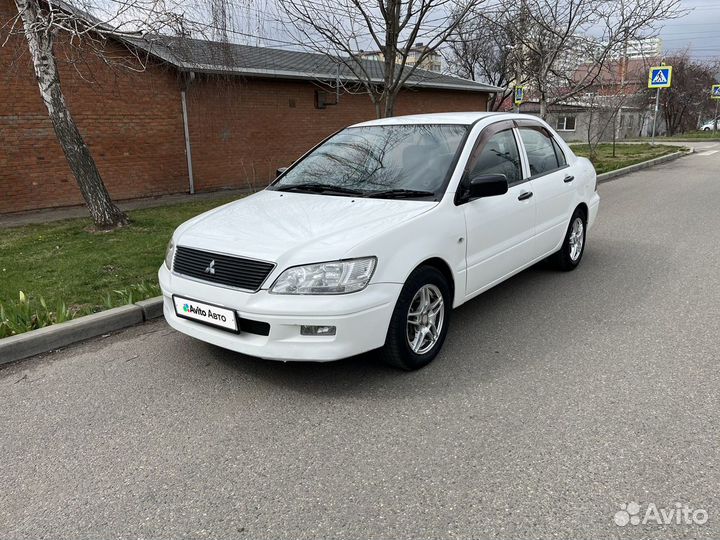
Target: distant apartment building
<point>580,51</point>
<point>431,62</point>
<point>639,48</point>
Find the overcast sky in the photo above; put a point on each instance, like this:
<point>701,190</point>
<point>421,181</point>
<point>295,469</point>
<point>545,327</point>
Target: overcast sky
<point>256,22</point>
<point>699,30</point>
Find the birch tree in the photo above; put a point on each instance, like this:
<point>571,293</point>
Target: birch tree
<point>344,29</point>
<point>45,22</point>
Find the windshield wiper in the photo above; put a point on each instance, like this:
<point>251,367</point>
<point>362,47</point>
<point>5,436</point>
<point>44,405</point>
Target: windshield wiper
<point>399,194</point>
<point>316,187</point>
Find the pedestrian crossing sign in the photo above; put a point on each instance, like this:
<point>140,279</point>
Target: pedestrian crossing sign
<point>715,94</point>
<point>519,94</point>
<point>660,77</point>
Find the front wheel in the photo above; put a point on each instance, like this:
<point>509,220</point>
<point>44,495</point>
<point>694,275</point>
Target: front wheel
<point>573,246</point>
<point>420,320</point>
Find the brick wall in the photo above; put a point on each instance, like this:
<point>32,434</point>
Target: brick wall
<point>131,121</point>
<point>241,129</point>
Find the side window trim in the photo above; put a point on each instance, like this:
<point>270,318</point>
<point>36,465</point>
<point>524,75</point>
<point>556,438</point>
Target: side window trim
<point>523,154</point>
<point>559,154</point>
<point>524,164</point>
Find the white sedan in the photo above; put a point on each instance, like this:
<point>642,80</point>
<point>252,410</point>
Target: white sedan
<point>710,125</point>
<point>372,237</point>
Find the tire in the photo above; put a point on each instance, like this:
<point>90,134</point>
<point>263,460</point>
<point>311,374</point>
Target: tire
<point>570,254</point>
<point>426,285</point>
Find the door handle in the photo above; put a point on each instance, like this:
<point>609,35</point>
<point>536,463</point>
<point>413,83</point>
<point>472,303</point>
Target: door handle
<point>525,195</point>
<point>568,179</point>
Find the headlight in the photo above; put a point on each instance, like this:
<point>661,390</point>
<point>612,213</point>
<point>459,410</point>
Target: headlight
<point>336,277</point>
<point>169,252</point>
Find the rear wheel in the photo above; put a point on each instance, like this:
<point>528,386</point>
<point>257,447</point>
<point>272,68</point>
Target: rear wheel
<point>569,256</point>
<point>420,320</point>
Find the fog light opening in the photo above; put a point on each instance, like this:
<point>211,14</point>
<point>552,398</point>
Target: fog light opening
<point>310,330</point>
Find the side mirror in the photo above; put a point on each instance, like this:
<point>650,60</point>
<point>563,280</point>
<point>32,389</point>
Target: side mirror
<point>487,185</point>
<point>280,170</point>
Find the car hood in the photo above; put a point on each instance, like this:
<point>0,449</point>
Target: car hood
<point>295,228</point>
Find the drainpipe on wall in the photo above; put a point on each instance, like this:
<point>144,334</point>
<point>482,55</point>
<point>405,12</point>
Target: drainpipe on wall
<point>187,79</point>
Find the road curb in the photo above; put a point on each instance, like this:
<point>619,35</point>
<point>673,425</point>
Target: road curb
<point>611,175</point>
<point>63,334</point>
<point>152,308</point>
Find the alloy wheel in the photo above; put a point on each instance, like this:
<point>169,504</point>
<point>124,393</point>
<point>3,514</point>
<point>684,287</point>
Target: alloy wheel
<point>425,319</point>
<point>576,239</point>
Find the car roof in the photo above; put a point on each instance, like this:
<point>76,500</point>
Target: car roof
<point>463,118</point>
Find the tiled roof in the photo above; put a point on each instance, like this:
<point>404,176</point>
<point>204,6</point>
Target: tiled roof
<point>204,56</point>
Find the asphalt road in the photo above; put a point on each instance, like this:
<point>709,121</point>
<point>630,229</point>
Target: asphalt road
<point>558,397</point>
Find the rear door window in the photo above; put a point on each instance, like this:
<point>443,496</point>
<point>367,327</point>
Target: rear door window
<point>540,149</point>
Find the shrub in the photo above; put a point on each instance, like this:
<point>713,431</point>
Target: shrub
<point>132,294</point>
<point>26,314</point>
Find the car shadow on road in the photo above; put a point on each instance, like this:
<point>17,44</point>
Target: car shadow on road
<point>517,323</point>
<point>366,373</point>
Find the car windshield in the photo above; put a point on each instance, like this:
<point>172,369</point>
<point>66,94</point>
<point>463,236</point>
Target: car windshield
<point>392,161</point>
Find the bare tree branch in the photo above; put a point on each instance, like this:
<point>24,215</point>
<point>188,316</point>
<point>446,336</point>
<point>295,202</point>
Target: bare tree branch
<point>340,29</point>
<point>558,36</point>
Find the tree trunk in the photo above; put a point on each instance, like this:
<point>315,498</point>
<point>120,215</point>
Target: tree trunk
<point>40,43</point>
<point>392,33</point>
<point>614,139</point>
<point>543,106</point>
<point>389,105</point>
<point>592,143</point>
<point>378,108</point>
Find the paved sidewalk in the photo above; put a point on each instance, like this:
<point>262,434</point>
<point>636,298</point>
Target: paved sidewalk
<point>56,214</point>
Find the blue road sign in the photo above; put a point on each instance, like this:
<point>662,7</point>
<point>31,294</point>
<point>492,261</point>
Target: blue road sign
<point>519,94</point>
<point>660,77</point>
<point>715,94</point>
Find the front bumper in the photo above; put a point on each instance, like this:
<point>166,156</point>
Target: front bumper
<point>361,319</point>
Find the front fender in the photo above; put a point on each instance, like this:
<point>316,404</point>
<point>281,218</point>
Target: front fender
<point>439,233</point>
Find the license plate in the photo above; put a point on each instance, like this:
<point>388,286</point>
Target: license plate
<point>205,313</point>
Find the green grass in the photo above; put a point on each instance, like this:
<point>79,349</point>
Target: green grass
<point>63,262</point>
<point>625,154</point>
<point>693,135</point>
<point>690,135</point>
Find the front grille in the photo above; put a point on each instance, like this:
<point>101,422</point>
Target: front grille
<point>228,270</point>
